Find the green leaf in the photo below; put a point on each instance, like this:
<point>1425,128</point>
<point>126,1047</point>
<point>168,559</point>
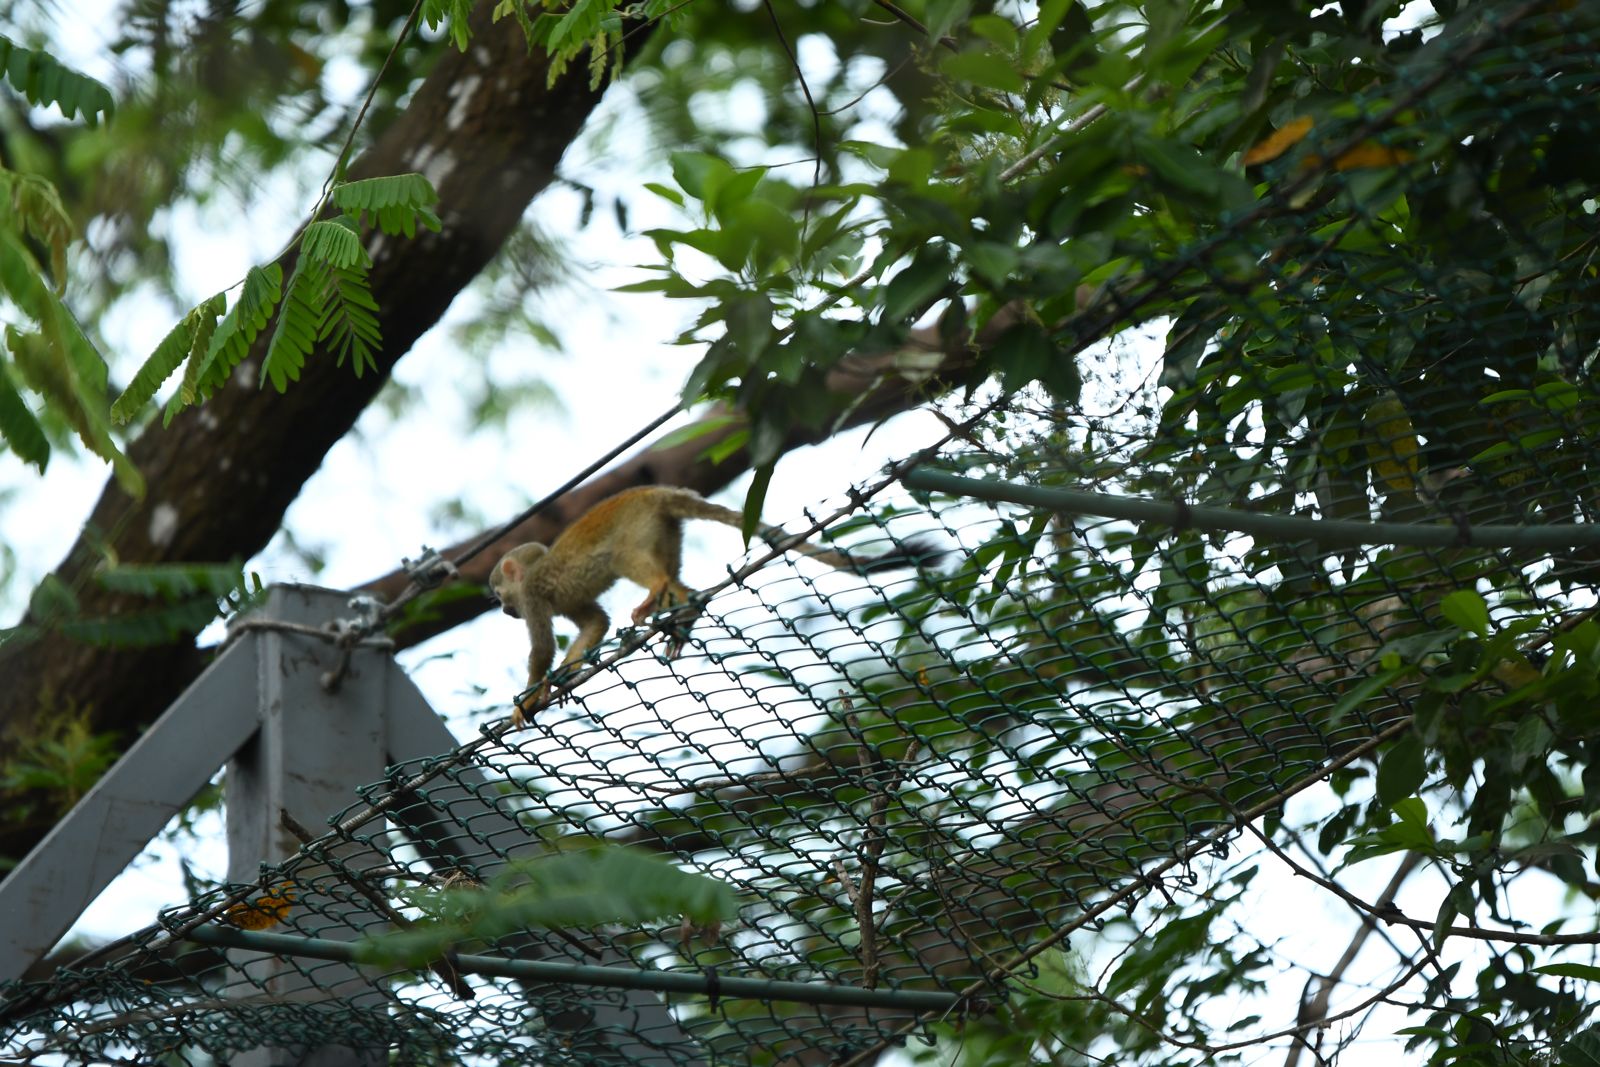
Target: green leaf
<point>231,341</point>
<point>173,581</point>
<point>59,363</point>
<point>394,190</point>
<point>700,175</point>
<point>1467,610</point>
<point>1584,1049</point>
<point>146,628</point>
<point>1179,166</point>
<point>1365,690</point>
<point>665,192</point>
<point>334,241</point>
<point>913,290</point>
<point>52,601</point>
<point>397,203</point>
<point>749,323</point>
<point>1402,770</point>
<point>1001,31</point>
<point>1025,353</point>
<point>36,204</point>
<point>1530,742</point>
<point>350,319</point>
<point>993,262</point>
<point>942,16</point>
<point>987,69</point>
<point>755,498</point>
<point>735,190</point>
<point>1412,812</point>
<point>18,426</point>
<point>456,12</point>
<point>695,430</point>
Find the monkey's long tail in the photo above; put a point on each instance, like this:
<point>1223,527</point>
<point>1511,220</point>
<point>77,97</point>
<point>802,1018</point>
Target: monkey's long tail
<point>913,552</point>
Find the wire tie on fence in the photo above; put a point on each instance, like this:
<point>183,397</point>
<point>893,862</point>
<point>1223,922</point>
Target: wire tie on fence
<point>1182,518</point>
<point>713,988</point>
<point>429,570</point>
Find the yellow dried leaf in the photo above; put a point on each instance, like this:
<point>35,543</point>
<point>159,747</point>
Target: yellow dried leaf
<point>1372,154</point>
<point>265,911</point>
<point>1282,139</point>
<point>1392,445</point>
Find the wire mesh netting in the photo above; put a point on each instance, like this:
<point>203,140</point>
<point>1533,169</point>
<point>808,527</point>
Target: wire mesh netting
<point>919,784</point>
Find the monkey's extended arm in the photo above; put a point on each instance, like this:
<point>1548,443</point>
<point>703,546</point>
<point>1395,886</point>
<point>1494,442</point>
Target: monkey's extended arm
<point>541,645</point>
<point>541,651</point>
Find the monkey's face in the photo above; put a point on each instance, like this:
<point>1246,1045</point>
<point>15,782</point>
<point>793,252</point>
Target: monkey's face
<point>497,598</point>
<point>508,579</point>
<point>504,578</point>
<point>494,598</point>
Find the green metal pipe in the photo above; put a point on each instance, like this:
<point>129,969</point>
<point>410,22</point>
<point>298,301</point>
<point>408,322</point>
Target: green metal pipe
<point>1275,527</point>
<point>586,974</point>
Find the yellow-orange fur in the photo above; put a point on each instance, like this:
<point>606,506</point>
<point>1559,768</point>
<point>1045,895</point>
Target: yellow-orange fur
<point>637,535</point>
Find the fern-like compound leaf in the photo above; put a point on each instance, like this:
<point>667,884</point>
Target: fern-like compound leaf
<point>36,210</point>
<point>46,82</point>
<point>177,346</point>
<point>174,581</point>
<point>56,359</point>
<point>336,242</point>
<point>263,288</point>
<point>299,321</point>
<point>350,319</point>
<point>396,203</point>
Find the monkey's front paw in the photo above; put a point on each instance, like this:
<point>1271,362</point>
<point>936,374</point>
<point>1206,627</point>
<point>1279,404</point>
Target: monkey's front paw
<point>523,708</point>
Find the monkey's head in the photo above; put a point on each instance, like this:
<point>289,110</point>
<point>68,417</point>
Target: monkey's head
<point>510,575</point>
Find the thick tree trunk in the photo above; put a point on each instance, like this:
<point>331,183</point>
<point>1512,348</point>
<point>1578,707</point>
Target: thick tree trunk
<point>489,133</point>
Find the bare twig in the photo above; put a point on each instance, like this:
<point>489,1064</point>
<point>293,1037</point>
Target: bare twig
<point>1316,1006</point>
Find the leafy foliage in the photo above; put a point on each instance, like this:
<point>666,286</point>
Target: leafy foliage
<point>570,889</point>
<point>53,357</point>
<point>62,761</point>
<point>453,13</point>
<point>181,599</point>
<point>327,299</point>
<point>184,342</point>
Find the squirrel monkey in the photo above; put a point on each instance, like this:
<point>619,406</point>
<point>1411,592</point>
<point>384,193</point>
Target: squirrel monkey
<point>638,535</point>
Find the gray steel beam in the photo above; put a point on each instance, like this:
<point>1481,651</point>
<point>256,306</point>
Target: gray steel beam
<point>115,820</point>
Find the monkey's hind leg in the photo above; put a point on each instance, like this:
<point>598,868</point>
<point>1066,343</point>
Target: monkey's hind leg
<point>665,592</point>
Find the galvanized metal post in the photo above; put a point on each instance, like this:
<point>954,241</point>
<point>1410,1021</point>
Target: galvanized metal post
<point>313,748</point>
